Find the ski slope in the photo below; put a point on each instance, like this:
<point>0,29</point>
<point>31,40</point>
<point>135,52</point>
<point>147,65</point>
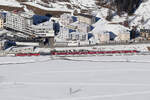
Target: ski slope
<point>75,78</point>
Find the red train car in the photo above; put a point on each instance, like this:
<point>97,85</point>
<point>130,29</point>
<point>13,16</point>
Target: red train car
<point>92,52</point>
<point>27,54</point>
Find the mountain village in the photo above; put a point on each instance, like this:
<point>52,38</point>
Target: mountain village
<point>74,49</point>
<point>26,32</point>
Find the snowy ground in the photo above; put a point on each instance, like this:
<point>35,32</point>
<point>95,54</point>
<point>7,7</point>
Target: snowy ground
<point>12,3</point>
<point>82,78</point>
<point>49,9</point>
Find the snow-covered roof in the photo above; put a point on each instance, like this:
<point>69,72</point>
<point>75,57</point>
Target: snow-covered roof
<point>102,26</point>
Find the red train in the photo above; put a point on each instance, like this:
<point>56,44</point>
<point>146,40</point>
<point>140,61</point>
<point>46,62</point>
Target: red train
<point>92,52</point>
<point>80,52</point>
<point>27,54</point>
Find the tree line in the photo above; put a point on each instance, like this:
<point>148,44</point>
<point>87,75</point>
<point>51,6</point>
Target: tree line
<point>128,6</point>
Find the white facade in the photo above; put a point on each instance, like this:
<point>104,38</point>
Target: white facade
<point>19,21</point>
<point>23,22</point>
<point>43,30</point>
<point>47,33</point>
<point>104,37</point>
<point>65,34</point>
<point>83,27</point>
<point>88,19</point>
<point>66,19</point>
<point>123,37</point>
<point>79,26</point>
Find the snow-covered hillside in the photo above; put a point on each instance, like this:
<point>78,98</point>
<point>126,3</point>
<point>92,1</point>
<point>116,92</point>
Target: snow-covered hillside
<point>143,13</point>
<point>70,4</point>
<point>82,3</point>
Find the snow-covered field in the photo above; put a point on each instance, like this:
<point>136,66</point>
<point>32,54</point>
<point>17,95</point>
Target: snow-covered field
<point>75,78</point>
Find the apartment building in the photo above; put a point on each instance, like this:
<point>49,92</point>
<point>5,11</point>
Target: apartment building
<point>45,31</point>
<point>67,19</point>
<point>88,19</point>
<point>42,31</point>
<point>19,21</point>
<point>124,36</point>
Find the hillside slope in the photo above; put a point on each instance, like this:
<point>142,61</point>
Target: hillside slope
<point>140,18</point>
<point>56,7</point>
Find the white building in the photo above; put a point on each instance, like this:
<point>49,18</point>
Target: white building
<point>85,18</point>
<point>64,33</point>
<point>73,35</point>
<point>123,36</point>
<point>43,30</point>
<point>80,26</point>
<point>103,37</point>
<point>83,27</point>
<point>77,36</point>
<point>66,19</point>
<point>19,21</point>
